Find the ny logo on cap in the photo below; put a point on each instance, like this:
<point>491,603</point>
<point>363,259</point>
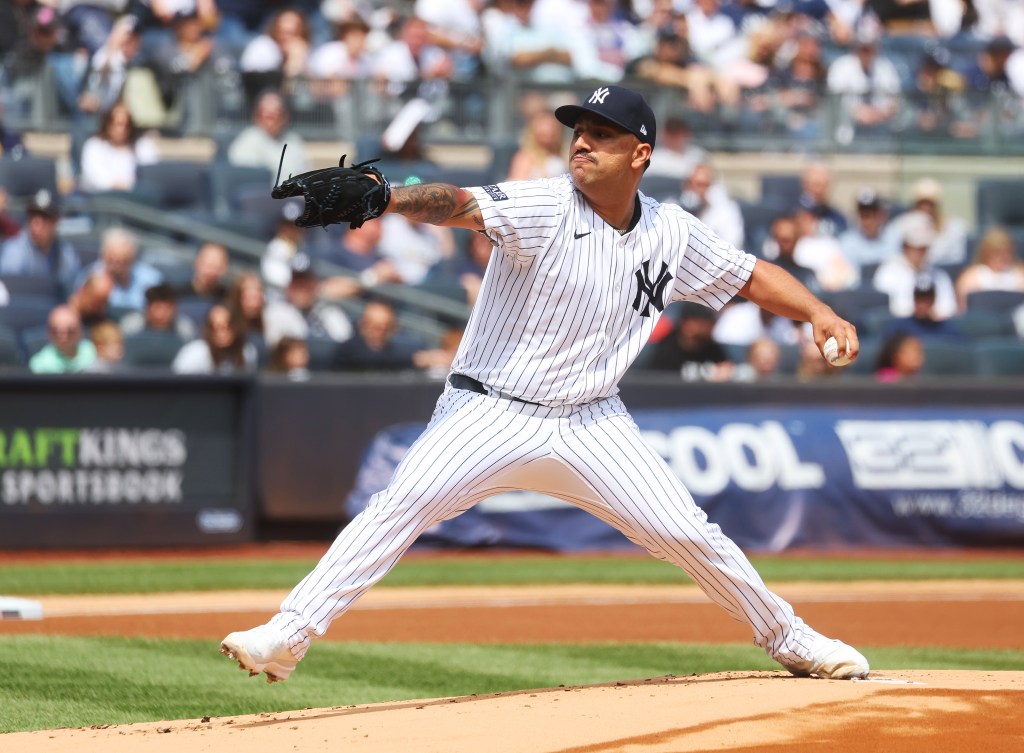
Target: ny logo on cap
<point>598,97</point>
<point>643,129</point>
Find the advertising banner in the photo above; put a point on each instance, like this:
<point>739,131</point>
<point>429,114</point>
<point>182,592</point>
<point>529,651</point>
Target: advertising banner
<point>782,477</point>
<point>149,465</point>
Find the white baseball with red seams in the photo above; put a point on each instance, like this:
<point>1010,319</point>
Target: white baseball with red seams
<point>831,351</point>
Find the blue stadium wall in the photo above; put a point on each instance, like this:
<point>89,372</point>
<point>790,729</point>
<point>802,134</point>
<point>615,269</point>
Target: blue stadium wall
<point>150,462</point>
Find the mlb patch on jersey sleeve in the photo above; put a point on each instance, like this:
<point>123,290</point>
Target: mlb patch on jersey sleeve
<point>495,193</point>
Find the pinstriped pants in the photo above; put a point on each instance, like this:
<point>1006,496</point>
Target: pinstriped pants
<point>591,456</point>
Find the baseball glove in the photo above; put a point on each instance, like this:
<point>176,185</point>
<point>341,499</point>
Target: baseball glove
<point>338,194</point>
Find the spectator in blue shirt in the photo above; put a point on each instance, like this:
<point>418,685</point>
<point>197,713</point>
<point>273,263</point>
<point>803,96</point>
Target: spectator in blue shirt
<point>118,251</point>
<point>816,183</point>
<point>865,243</point>
<point>922,322</point>
<point>988,71</point>
<point>37,251</point>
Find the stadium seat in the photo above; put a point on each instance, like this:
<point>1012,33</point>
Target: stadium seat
<point>117,313</point>
<point>23,177</point>
<point>874,320</point>
<point>735,352</point>
<point>175,185</point>
<point>26,311</point>
<point>953,269</point>
<point>195,308</point>
<point>662,187</point>
<point>983,323</point>
<point>781,190</point>
<point>870,348</point>
<point>757,223</point>
<point>466,176</point>
<point>10,349</point>
<point>151,350</point>
<point>258,212</point>
<point>323,353</point>
<point>87,247</point>
<point>945,358</point>
<point>1000,202</point>
<point>367,147</point>
<point>451,290</point>
<point>867,271</point>
<point>227,181</point>
<point>1002,356</point>
<point>32,340</point>
<point>31,285</point>
<point>501,159</point>
<point>854,305</point>
<point>176,272</point>
<point>994,300</point>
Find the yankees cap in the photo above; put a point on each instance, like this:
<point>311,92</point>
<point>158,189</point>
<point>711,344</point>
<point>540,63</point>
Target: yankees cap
<point>621,106</point>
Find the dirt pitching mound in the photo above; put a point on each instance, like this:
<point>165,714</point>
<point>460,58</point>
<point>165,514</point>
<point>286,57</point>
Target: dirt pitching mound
<point>909,711</point>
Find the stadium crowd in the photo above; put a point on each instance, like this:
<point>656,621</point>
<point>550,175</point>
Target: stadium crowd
<point>912,276</point>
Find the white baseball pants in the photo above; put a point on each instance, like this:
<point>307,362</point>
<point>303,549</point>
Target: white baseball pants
<point>591,456</point>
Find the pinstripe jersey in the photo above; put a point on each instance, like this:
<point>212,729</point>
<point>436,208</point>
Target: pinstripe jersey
<point>568,303</point>
<point>565,306</point>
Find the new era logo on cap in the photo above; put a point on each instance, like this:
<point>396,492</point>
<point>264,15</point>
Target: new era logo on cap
<point>624,107</point>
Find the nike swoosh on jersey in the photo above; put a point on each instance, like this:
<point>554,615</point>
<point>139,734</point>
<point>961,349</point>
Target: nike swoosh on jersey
<point>577,236</point>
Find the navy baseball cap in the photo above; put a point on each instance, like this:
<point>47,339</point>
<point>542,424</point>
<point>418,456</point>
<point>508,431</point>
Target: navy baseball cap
<point>621,106</point>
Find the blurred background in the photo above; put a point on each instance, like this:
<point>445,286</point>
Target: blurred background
<point>224,375</point>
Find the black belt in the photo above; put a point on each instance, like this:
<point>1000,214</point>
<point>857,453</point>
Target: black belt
<point>463,382</point>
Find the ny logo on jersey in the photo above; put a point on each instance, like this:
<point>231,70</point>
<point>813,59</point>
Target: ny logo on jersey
<point>598,97</point>
<point>653,289</point>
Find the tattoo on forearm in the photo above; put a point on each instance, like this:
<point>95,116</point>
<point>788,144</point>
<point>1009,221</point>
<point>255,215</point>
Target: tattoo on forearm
<point>434,203</point>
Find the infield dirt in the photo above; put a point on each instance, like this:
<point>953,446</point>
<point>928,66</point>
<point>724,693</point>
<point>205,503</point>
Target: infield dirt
<point>905,711</point>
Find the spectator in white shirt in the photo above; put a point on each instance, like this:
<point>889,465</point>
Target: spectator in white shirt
<point>707,200</point>
<point>260,144</point>
<point>898,276</point>
<point>545,54</point>
<point>713,35</point>
<point>676,155</point>
<point>302,314</point>
<point>222,349</point>
<point>411,58</point>
<point>111,156</point>
<point>284,48</point>
<point>869,82</point>
<point>949,246</point>
<point>343,59</point>
<point>821,252</point>
<point>454,26</point>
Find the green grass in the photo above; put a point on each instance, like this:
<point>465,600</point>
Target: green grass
<point>151,576</point>
<point>103,680</point>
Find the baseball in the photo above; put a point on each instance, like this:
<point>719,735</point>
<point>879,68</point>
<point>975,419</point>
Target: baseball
<point>831,351</point>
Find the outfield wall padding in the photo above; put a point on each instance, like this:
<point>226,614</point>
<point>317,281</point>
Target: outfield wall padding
<point>108,461</point>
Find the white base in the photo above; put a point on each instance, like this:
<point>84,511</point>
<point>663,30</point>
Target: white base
<point>13,608</point>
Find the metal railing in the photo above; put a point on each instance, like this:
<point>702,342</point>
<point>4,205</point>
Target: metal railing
<point>419,311</point>
<point>485,111</point>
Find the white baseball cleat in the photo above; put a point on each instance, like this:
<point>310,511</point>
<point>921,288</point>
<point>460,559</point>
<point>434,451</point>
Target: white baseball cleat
<point>832,660</point>
<point>261,649</point>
